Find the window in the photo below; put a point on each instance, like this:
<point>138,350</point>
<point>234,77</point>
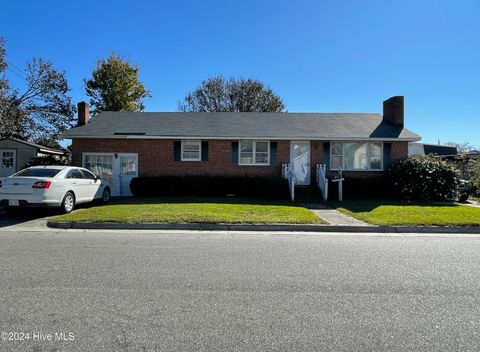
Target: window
<point>7,160</point>
<point>100,164</point>
<point>74,173</point>
<point>128,165</point>
<point>37,172</point>
<point>337,152</point>
<point>356,155</point>
<point>87,174</point>
<point>191,150</point>
<point>376,156</point>
<point>254,153</point>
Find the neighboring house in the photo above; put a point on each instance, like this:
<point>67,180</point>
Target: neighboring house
<point>121,145</point>
<point>462,162</point>
<point>433,149</point>
<point>15,153</point>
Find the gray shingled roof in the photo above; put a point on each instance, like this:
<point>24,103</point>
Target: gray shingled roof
<point>231,125</point>
<point>42,148</point>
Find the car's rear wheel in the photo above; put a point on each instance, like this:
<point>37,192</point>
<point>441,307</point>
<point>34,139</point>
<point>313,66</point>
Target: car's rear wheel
<point>68,202</point>
<point>106,195</point>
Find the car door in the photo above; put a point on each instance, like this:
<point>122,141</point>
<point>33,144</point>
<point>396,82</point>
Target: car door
<point>78,184</point>
<point>93,186</point>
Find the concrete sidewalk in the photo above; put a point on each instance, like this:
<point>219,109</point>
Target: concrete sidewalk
<point>333,216</point>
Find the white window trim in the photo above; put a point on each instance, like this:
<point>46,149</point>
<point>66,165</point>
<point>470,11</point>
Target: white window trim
<point>369,155</point>
<point>254,151</point>
<point>191,141</point>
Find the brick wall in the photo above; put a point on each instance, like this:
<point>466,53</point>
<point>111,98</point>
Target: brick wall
<point>155,157</point>
<point>399,150</point>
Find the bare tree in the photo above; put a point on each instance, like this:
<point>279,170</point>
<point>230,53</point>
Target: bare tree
<point>43,110</point>
<point>241,95</point>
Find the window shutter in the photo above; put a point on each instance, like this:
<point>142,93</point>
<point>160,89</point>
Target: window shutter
<point>273,153</point>
<point>177,151</point>
<point>326,154</point>
<point>204,151</point>
<point>387,155</point>
<point>235,153</point>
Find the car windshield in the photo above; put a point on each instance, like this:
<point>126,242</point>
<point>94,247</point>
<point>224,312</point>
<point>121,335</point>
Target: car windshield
<point>37,173</point>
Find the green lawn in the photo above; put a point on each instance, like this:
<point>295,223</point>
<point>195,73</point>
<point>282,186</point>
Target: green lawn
<point>194,210</point>
<point>393,213</point>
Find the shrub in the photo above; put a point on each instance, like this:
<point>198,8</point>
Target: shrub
<point>424,178</point>
<point>47,160</point>
<point>474,167</point>
<point>211,186</point>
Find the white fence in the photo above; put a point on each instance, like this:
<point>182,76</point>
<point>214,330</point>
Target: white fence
<point>289,174</point>
<point>322,180</point>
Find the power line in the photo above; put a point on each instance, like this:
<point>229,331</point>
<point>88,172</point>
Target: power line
<point>14,72</point>
<point>22,72</point>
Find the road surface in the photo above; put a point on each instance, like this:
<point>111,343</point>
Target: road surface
<point>141,291</point>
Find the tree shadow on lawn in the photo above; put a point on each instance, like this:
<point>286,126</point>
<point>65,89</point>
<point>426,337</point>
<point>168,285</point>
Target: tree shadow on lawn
<point>368,205</point>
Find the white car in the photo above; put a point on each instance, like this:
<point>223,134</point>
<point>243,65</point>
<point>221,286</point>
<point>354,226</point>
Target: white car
<point>52,186</point>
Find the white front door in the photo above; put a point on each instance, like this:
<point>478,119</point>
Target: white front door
<point>300,159</point>
<point>8,162</point>
<point>128,170</point>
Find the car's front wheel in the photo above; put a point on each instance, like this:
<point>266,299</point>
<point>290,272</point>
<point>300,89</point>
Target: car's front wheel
<point>68,202</point>
<point>106,195</point>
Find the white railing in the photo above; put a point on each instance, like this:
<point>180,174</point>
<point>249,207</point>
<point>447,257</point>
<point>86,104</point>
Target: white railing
<point>289,174</point>
<point>322,180</point>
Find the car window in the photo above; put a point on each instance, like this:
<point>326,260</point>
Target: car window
<point>74,173</point>
<point>88,175</point>
<point>40,172</point>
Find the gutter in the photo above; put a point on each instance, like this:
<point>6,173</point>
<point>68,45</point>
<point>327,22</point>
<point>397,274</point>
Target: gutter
<point>319,138</point>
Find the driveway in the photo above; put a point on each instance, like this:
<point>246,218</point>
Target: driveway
<point>121,291</point>
<point>28,219</point>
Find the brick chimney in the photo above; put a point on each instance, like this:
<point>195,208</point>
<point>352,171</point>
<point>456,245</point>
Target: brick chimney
<point>393,111</point>
<point>83,113</point>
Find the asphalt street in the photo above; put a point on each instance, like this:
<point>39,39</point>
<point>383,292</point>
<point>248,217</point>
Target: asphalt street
<point>140,291</point>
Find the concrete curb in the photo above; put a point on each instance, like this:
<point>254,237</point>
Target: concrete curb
<point>264,227</point>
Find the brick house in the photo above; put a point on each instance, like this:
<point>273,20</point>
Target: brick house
<point>120,145</point>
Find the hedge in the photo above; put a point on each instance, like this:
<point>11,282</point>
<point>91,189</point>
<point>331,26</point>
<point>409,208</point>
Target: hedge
<point>210,186</point>
<point>424,178</point>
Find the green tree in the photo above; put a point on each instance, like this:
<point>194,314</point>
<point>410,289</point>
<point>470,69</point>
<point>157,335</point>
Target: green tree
<point>464,147</point>
<point>240,95</point>
<point>474,168</point>
<point>115,86</point>
<point>40,112</point>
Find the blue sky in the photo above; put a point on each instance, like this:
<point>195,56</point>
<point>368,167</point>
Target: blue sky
<point>322,56</point>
